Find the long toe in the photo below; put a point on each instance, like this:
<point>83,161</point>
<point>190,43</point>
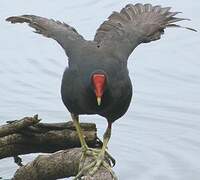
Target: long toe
<point>100,159</point>
<point>99,162</point>
<point>96,152</point>
<point>110,159</point>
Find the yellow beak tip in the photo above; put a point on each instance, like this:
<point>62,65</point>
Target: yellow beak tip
<point>99,101</point>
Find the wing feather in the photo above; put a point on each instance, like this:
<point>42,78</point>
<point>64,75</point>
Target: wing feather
<point>133,25</point>
<point>64,34</point>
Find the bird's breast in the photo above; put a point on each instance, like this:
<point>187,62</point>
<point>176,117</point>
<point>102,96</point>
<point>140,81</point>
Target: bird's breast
<point>79,97</point>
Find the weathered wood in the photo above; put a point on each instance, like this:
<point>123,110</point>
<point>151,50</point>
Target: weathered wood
<point>51,141</point>
<point>29,136</point>
<point>58,165</point>
<point>18,125</point>
<point>46,138</point>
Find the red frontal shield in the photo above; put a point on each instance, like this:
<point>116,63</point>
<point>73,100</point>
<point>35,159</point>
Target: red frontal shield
<point>98,81</point>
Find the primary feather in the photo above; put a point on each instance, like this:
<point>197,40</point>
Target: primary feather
<point>64,34</point>
<point>119,35</point>
<point>133,25</point>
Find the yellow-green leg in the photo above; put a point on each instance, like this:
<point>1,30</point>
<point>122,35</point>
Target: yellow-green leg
<point>84,145</point>
<point>100,159</point>
<point>99,155</point>
<point>80,132</point>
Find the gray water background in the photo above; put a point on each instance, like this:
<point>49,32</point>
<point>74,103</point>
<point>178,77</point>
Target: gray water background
<point>159,137</point>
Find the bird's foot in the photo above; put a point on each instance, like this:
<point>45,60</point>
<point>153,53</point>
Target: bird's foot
<point>104,159</point>
<point>97,152</point>
<point>100,159</point>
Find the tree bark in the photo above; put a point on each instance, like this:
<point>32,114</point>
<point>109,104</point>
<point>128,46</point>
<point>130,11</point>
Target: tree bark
<point>15,126</point>
<point>58,165</point>
<point>42,137</point>
<point>28,135</point>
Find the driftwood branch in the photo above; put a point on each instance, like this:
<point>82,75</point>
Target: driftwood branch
<point>15,126</point>
<point>58,165</point>
<point>28,135</point>
<point>42,137</point>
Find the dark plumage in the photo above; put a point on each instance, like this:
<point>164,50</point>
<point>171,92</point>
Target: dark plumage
<point>114,41</point>
<point>106,55</point>
<point>77,91</point>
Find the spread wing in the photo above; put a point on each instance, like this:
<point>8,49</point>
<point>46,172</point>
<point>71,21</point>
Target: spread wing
<point>133,25</point>
<point>64,34</point>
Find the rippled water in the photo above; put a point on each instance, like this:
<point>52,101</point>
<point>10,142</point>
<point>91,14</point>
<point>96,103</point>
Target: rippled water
<point>159,137</point>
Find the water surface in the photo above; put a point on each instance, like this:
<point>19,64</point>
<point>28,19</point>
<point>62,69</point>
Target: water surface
<point>159,137</point>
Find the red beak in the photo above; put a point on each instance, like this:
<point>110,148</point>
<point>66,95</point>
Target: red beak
<point>99,85</point>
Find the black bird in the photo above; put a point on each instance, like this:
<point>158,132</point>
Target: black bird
<point>97,79</point>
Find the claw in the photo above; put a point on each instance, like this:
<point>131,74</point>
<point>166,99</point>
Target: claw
<point>99,161</point>
<point>84,170</point>
<point>110,158</point>
<point>111,171</point>
<point>104,159</point>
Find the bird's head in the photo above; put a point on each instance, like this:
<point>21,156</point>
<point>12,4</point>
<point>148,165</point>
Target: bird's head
<point>98,80</point>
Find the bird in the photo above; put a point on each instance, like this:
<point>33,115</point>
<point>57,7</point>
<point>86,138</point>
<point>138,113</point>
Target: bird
<point>96,80</point>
